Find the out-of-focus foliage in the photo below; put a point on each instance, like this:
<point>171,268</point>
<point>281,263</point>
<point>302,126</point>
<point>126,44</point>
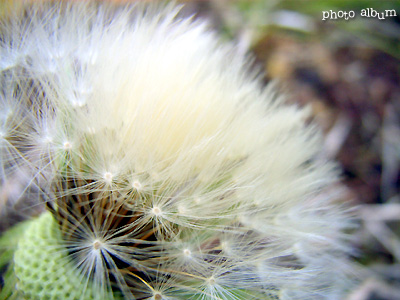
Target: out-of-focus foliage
<point>307,16</point>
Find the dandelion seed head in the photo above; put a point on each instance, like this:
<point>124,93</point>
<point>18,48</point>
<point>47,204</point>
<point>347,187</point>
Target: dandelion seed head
<point>211,281</point>
<point>136,185</point>
<point>157,296</point>
<point>67,145</point>
<point>108,177</point>
<point>187,252</point>
<point>183,165</point>
<point>156,211</point>
<point>97,244</point>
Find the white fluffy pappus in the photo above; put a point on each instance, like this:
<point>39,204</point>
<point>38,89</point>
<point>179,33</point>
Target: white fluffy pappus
<point>169,170</point>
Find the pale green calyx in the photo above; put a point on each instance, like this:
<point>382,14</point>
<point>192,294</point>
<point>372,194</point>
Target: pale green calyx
<point>43,268</point>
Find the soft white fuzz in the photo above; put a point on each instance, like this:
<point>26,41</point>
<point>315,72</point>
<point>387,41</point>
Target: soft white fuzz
<point>141,107</point>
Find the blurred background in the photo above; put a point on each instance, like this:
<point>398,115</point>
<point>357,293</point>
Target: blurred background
<point>348,72</point>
